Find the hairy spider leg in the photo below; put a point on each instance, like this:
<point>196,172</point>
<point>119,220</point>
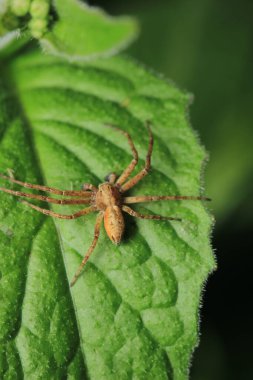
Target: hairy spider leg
<point>52,190</point>
<point>133,181</point>
<point>153,198</point>
<point>91,248</point>
<point>61,216</point>
<point>144,216</point>
<point>45,198</point>
<point>126,173</point>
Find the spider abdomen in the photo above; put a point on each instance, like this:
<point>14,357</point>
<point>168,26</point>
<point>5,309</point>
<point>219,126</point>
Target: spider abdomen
<point>114,223</point>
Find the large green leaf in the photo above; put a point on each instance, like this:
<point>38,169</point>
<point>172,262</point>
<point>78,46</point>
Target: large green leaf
<point>134,311</point>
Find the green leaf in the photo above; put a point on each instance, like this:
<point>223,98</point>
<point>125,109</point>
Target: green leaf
<point>134,311</point>
<point>93,33</point>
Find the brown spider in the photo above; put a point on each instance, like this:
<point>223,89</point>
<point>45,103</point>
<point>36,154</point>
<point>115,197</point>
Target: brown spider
<point>107,199</point>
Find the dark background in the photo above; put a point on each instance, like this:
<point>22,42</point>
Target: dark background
<point>206,47</point>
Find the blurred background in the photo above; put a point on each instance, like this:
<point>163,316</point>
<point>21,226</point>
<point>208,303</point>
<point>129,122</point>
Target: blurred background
<point>206,47</point>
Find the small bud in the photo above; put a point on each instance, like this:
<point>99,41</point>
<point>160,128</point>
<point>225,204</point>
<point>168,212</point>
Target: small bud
<point>38,27</point>
<point>36,34</point>
<point>39,8</point>
<point>20,7</point>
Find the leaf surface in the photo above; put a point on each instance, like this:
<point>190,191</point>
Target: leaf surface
<point>133,314</point>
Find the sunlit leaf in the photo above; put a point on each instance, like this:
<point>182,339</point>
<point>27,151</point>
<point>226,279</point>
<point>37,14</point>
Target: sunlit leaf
<point>134,311</point>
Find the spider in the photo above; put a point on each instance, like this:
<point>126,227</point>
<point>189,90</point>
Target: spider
<point>107,199</point>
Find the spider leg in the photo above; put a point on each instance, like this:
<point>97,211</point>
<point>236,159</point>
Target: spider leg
<point>144,216</point>
<point>45,198</point>
<point>46,188</point>
<point>133,181</point>
<point>91,248</point>
<point>126,173</point>
<point>153,198</point>
<point>61,216</point>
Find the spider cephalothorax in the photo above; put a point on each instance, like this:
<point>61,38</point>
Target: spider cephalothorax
<point>108,199</point>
